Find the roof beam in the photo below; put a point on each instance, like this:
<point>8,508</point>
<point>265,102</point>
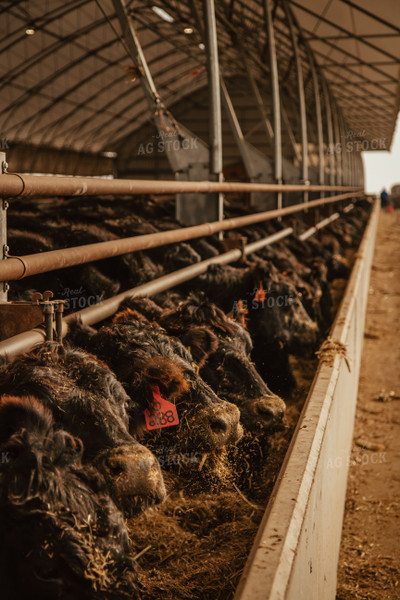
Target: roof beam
<point>351,55</point>
<point>346,37</point>
<point>346,31</point>
<point>105,108</point>
<point>373,16</point>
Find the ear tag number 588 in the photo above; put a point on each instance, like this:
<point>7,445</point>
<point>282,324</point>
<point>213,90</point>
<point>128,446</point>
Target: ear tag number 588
<point>161,413</point>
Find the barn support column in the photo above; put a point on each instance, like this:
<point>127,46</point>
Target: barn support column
<point>331,146</point>
<point>318,115</point>
<point>338,144</point>
<point>302,101</point>
<point>211,43</point>
<point>3,230</point>
<point>290,175</point>
<point>352,166</point>
<point>256,163</point>
<point>357,168</point>
<point>361,181</point>
<point>348,155</point>
<point>357,162</point>
<point>188,156</point>
<point>276,105</point>
<point>345,158</point>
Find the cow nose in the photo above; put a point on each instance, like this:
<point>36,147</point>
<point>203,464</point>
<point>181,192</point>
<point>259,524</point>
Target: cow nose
<point>134,476</point>
<point>222,425</point>
<point>219,425</point>
<point>271,411</point>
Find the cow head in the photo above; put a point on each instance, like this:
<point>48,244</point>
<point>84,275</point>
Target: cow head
<point>145,358</point>
<point>222,349</point>
<point>62,536</point>
<point>87,399</point>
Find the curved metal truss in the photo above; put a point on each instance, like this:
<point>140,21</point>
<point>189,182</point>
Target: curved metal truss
<point>308,84</point>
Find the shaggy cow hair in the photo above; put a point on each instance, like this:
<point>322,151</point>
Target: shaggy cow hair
<point>61,535</point>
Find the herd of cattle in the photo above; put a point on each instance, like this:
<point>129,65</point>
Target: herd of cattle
<point>162,396</point>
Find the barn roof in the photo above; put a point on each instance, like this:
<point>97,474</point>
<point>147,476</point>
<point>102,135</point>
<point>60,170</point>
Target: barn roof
<point>67,81</point>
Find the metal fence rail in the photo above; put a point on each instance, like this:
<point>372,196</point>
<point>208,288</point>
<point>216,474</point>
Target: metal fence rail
<point>19,267</point>
<point>13,185</point>
<point>24,342</point>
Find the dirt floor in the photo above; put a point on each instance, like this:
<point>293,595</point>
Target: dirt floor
<point>369,564</point>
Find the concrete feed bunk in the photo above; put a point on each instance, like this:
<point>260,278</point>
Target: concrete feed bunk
<point>295,553</point>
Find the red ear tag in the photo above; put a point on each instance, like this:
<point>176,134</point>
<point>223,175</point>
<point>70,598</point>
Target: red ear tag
<point>260,294</point>
<point>162,413</point>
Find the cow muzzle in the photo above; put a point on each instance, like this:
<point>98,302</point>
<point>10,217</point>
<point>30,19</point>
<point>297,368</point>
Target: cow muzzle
<point>269,412</point>
<point>134,477</point>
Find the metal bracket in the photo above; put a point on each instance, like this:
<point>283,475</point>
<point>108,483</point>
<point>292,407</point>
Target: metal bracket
<point>189,157</point>
<point>17,317</point>
<point>231,243</point>
<point>257,165</point>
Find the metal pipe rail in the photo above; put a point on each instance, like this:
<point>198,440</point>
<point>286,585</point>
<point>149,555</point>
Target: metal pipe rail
<point>16,185</point>
<point>307,234</point>
<point>19,267</point>
<point>25,341</point>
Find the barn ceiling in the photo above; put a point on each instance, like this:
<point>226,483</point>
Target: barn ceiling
<point>67,82</point>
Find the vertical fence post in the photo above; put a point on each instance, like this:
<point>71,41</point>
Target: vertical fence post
<point>329,126</point>
<point>302,100</point>
<point>3,230</point>
<point>320,132</point>
<point>338,144</point>
<point>345,158</point>
<point>216,163</point>
<point>361,180</point>
<point>276,103</point>
<point>352,167</point>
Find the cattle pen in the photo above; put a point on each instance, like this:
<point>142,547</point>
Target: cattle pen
<point>290,549</point>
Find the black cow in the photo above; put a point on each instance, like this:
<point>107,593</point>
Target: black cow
<point>87,399</point>
<point>221,348</point>
<point>277,320</point>
<point>61,534</point>
<point>146,359</point>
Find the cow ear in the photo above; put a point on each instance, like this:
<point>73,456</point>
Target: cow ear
<point>167,375</point>
<point>145,306</point>
<point>201,342</point>
<point>239,314</point>
<point>19,412</point>
<point>80,334</point>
